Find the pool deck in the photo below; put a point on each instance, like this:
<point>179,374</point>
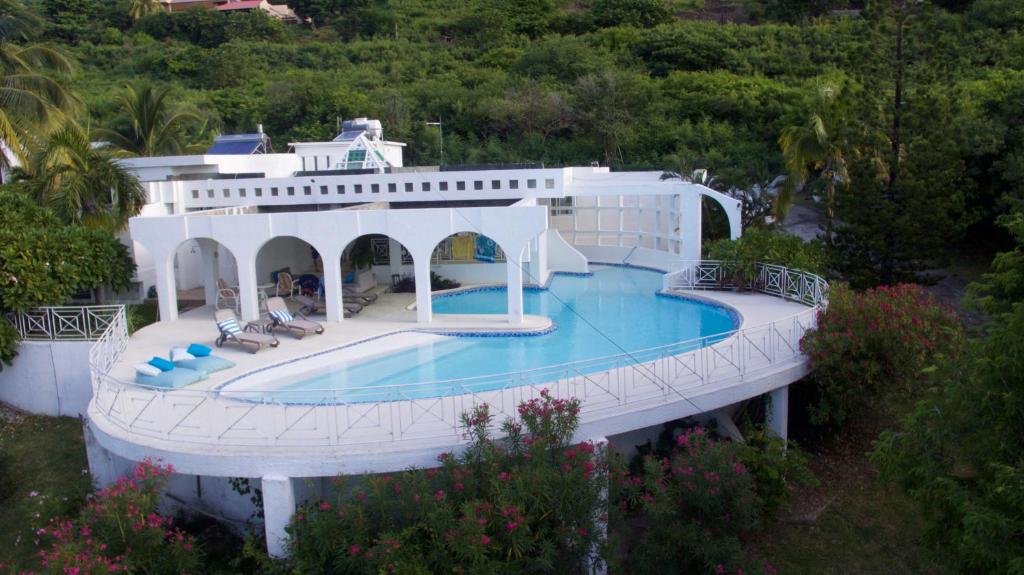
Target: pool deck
<point>387,315</point>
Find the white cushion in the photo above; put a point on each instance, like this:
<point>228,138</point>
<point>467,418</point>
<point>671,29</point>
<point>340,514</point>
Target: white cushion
<point>229,325</point>
<point>282,315</point>
<point>146,369</point>
<point>179,354</point>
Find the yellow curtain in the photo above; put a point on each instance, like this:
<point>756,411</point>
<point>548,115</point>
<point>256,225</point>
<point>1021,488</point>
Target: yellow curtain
<point>463,247</point>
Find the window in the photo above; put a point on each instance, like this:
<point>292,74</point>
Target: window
<point>478,185</point>
<point>375,188</point>
<point>241,192</point>
<point>495,184</point>
<point>355,159</point>
<point>392,188</point>
<point>460,186</point>
<point>209,193</point>
<point>226,192</point>
<point>561,206</point>
<point>531,184</point>
<point>307,190</point>
<point>259,192</point>
<point>408,186</point>
<point>513,184</point>
<point>273,191</point>
<point>195,194</point>
<point>290,190</point>
<point>316,167</point>
<point>442,186</point>
<point>549,183</point>
<point>341,189</point>
<point>323,190</point>
<point>359,188</point>
<point>426,186</point>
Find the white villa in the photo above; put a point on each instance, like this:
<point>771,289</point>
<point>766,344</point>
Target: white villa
<point>340,229</point>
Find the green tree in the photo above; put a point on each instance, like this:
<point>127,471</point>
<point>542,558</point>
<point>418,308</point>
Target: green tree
<point>139,8</point>
<point>817,149</point>
<point>154,128</point>
<point>44,261</point>
<point>83,184</point>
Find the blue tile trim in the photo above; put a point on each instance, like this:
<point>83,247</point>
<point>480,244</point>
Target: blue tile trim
<point>634,266</point>
<point>734,314</point>
<point>543,331</point>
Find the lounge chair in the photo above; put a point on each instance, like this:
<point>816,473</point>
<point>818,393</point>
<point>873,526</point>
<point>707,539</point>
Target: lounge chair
<point>227,297</point>
<point>298,326</point>
<point>231,331</point>
<point>351,292</point>
<point>313,307</point>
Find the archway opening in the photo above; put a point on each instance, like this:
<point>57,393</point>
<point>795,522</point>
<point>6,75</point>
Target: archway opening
<point>205,274</point>
<point>287,266</point>
<point>467,259</point>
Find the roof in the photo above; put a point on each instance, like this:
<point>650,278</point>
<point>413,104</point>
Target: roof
<point>237,144</point>
<point>240,5</point>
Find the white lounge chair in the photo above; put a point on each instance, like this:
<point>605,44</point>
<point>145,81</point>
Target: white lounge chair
<point>299,326</point>
<point>231,331</point>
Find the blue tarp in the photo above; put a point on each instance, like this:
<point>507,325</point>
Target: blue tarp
<point>485,248</point>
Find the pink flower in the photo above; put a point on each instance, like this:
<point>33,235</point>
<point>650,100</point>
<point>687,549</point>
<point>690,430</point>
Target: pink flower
<point>459,486</point>
<point>439,495</point>
<point>484,539</point>
<point>582,531</point>
<point>503,476</point>
<point>354,550</point>
<point>325,506</point>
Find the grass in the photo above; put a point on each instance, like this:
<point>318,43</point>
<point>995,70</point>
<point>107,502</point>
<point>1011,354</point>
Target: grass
<point>849,523</point>
<point>44,474</point>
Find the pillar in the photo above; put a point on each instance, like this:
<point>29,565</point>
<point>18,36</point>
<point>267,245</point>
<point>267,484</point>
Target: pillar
<point>515,288</point>
<point>778,412</point>
<point>210,273</point>
<point>166,291</point>
<point>247,291</point>
<point>424,308</point>
<point>394,258</point>
<point>333,295</point>
<point>278,508</point>
<point>689,225</point>
<point>724,424</point>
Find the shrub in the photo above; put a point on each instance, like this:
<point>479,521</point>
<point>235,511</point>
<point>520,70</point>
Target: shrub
<point>692,506</point>
<point>775,464</point>
<point>768,247</point>
<point>408,284</point>
<point>527,503</point>
<point>872,343</point>
<point>6,481</point>
<point>120,531</point>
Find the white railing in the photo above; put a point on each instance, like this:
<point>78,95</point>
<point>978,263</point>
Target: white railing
<point>796,285</point>
<point>65,323</point>
<point>431,410</point>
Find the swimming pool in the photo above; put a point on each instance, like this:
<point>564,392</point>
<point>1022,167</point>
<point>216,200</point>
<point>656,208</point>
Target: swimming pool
<point>615,310</point>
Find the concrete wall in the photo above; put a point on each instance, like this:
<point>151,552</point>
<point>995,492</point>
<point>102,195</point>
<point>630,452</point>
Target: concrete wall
<point>49,378</point>
<point>562,257</point>
<point>283,252</point>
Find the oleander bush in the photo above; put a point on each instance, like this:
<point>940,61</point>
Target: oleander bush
<point>873,344</point>
<point>530,502</point>
<point>120,531</point>
<point>689,508</point>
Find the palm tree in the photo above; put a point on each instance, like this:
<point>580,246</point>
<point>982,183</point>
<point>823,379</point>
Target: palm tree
<point>33,97</point>
<point>140,8</point>
<point>154,129</point>
<point>816,150</point>
<point>82,183</point>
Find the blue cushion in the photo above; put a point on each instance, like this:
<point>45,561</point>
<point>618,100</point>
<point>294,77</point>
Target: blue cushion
<point>350,278</point>
<point>199,350</point>
<point>163,364</point>
<point>208,364</point>
<point>179,377</point>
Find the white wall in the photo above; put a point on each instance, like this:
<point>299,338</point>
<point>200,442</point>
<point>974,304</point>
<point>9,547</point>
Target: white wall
<point>280,253</point>
<point>562,257</point>
<point>48,378</point>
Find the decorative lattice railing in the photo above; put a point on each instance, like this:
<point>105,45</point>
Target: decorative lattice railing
<point>65,323</point>
<point>771,279</point>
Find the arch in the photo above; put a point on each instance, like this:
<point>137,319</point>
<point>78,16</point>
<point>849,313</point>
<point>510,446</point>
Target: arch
<point>733,209</point>
<point>471,257</point>
<point>714,220</point>
<point>382,255</point>
<point>289,254</point>
<point>197,271</point>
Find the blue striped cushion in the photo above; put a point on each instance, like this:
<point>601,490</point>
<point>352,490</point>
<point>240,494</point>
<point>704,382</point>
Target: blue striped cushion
<point>230,326</point>
<point>282,316</point>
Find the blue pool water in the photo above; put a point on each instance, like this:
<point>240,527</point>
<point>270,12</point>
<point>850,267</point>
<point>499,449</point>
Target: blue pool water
<point>614,311</point>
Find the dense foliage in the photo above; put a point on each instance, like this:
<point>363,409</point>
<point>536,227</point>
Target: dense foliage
<point>44,261</point>
<point>871,346</point>
<point>765,246</point>
<point>959,452</point>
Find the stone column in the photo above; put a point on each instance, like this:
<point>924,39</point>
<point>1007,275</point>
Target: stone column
<point>778,412</point>
<point>247,292</point>
<point>332,286</point>
<point>208,248</point>
<point>424,308</point>
<point>515,287</point>
<point>166,291</point>
<point>278,508</point>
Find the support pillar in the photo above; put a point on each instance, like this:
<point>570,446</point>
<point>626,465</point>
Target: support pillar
<point>689,225</point>
<point>210,273</point>
<point>424,307</point>
<point>247,291</point>
<point>332,286</point>
<point>166,291</point>
<point>515,289</point>
<point>278,508</point>
<point>725,425</point>
<point>778,412</point>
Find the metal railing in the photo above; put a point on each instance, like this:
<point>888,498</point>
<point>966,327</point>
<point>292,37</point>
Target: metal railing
<point>772,279</point>
<point>431,410</point>
<point>65,323</point>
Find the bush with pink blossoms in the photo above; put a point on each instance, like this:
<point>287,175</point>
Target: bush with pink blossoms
<point>529,502</point>
<point>119,531</point>
<point>873,343</point>
<point>689,509</point>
